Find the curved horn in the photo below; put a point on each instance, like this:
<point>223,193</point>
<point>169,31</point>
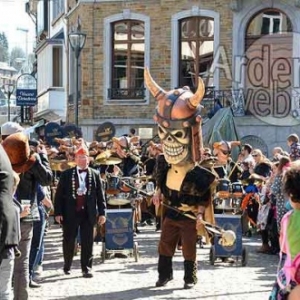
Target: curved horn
<point>195,100</point>
<point>153,87</point>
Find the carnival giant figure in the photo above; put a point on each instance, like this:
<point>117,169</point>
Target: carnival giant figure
<point>182,185</point>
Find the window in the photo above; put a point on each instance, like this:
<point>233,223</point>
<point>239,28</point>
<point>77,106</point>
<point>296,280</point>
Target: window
<point>196,50</point>
<point>58,8</point>
<point>127,60</point>
<point>269,21</point>
<point>57,71</point>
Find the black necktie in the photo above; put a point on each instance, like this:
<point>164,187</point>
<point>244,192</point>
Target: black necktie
<point>82,171</point>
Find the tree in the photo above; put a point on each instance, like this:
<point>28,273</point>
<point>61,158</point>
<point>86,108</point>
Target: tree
<point>4,56</point>
<point>17,58</point>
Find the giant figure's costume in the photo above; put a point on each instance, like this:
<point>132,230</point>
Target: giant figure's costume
<point>181,182</point>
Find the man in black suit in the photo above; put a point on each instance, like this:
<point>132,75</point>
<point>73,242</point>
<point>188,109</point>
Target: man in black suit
<point>79,203</point>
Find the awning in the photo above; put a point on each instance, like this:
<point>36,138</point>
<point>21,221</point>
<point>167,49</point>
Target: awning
<point>48,115</point>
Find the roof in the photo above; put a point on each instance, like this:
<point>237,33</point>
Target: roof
<point>48,115</point>
<point>5,66</point>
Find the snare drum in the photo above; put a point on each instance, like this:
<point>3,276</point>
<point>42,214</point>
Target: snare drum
<point>126,180</point>
<point>223,189</point>
<point>112,184</point>
<point>237,190</point>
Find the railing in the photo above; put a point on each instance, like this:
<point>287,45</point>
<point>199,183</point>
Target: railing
<point>232,98</point>
<point>126,94</point>
<point>228,98</point>
<point>14,110</point>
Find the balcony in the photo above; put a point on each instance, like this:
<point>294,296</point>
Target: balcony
<point>230,97</point>
<point>126,94</point>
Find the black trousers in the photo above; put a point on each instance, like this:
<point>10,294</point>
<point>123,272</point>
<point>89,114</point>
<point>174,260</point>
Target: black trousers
<point>70,231</point>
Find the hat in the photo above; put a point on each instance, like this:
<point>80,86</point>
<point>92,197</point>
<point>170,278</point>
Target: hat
<point>9,128</point>
<point>82,151</point>
<point>17,148</point>
<point>207,151</point>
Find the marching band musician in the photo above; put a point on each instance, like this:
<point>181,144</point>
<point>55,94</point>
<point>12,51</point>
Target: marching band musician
<point>184,186</point>
<point>148,209</point>
<point>228,168</point>
<point>125,150</point>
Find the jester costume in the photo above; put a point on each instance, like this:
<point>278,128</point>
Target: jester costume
<point>184,186</point>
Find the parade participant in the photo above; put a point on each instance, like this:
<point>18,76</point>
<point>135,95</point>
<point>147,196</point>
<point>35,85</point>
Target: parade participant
<point>79,203</point>
<point>130,156</point>
<point>148,208</point>
<point>227,168</point>
<point>183,184</point>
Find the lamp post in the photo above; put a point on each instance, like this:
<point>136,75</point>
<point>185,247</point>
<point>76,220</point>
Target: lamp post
<point>9,89</point>
<point>77,41</point>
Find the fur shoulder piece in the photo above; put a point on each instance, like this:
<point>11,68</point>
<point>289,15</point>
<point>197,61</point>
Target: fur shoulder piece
<point>160,169</point>
<point>198,181</point>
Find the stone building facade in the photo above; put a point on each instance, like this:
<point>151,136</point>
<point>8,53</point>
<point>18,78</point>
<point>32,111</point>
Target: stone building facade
<point>250,49</point>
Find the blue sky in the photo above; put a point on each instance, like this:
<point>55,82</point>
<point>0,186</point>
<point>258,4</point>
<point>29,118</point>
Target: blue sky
<point>13,16</point>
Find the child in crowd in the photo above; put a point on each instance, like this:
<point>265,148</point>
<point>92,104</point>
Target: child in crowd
<point>293,143</point>
<point>288,277</point>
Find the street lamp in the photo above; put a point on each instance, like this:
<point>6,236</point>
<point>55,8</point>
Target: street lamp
<point>9,89</point>
<point>77,41</point>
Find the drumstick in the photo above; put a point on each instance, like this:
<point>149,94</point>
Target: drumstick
<point>228,237</point>
<point>137,190</point>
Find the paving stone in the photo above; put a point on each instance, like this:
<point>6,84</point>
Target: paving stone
<point>124,279</point>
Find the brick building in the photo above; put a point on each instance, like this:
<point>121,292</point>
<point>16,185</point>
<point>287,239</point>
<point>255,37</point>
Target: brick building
<point>247,52</point>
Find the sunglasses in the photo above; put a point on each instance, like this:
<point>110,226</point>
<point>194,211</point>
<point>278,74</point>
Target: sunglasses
<point>255,155</point>
<point>224,152</point>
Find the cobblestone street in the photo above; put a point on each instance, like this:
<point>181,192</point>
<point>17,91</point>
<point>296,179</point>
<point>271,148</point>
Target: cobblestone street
<point>124,279</point>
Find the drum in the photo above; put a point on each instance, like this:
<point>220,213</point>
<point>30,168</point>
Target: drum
<point>224,204</point>
<point>126,180</point>
<point>236,205</point>
<point>223,189</point>
<point>119,199</point>
<point>237,190</point>
<point>112,184</point>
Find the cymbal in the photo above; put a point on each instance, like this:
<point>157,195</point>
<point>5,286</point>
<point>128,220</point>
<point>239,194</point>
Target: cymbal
<point>108,161</point>
<point>118,201</point>
<point>62,166</point>
<point>103,155</point>
<point>71,164</point>
<point>57,161</point>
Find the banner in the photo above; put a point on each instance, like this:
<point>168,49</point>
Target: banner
<point>52,131</point>
<point>105,132</point>
<point>119,229</point>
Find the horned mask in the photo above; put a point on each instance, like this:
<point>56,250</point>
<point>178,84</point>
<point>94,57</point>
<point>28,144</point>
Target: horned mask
<point>179,120</point>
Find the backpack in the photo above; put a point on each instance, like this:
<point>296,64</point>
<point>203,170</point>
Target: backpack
<point>289,275</point>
